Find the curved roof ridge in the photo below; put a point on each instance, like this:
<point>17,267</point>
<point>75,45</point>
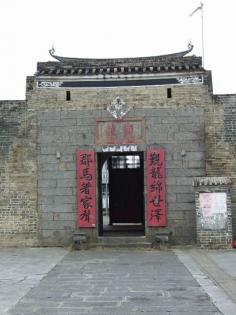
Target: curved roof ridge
<point>117,61</point>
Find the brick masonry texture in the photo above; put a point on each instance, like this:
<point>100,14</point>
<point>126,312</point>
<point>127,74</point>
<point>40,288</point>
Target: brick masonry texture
<point>18,219</point>
<point>38,190</point>
<point>176,128</point>
<point>220,135</point>
<point>215,238</point>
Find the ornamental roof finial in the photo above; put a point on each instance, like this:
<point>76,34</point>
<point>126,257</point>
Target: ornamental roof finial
<point>52,51</point>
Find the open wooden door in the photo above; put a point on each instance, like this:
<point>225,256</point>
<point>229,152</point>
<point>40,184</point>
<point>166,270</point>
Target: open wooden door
<point>126,189</point>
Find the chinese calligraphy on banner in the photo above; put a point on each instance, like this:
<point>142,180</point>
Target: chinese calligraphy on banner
<point>86,192</point>
<point>156,189</point>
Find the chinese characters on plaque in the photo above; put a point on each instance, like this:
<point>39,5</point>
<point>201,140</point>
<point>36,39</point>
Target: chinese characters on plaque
<point>86,192</point>
<point>156,190</point>
<point>120,132</point>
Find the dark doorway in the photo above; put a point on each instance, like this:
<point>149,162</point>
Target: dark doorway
<point>121,201</point>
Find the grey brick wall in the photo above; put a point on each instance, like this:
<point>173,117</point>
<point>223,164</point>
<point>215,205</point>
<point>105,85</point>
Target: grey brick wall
<point>180,131</point>
<point>214,238</point>
<point>175,123</point>
<point>18,216</point>
<point>221,143</point>
<point>38,191</point>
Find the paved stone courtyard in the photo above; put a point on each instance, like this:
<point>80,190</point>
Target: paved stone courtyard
<point>117,282</point>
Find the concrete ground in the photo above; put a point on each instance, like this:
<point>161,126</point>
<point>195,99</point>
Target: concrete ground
<point>55,281</point>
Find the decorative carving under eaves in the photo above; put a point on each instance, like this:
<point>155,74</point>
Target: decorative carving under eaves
<point>211,181</point>
<point>190,80</point>
<point>49,84</point>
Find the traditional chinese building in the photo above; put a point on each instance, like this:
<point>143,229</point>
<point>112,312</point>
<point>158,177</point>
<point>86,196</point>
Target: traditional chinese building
<point>110,147</point>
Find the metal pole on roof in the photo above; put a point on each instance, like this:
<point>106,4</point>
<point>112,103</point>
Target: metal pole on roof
<point>202,27</point>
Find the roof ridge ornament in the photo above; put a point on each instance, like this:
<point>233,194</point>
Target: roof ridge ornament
<point>118,108</point>
<point>52,51</point>
<point>190,46</point>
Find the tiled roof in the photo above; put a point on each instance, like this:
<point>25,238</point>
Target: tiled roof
<point>129,66</point>
<point>176,62</point>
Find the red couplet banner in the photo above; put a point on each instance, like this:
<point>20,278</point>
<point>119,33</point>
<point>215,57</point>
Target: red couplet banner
<point>156,188</point>
<point>86,188</point>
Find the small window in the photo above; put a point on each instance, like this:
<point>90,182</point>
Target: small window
<point>169,93</point>
<point>68,96</point>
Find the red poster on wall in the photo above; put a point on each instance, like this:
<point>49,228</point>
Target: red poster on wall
<point>86,188</point>
<point>156,188</point>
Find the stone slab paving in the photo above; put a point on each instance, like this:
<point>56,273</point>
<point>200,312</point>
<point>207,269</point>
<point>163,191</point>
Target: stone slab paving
<point>215,272</point>
<point>21,269</point>
<point>225,259</point>
<point>117,282</point>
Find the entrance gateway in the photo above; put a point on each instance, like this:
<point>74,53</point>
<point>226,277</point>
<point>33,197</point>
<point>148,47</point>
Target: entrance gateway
<point>86,108</point>
<point>121,194</point>
<point>113,195</point>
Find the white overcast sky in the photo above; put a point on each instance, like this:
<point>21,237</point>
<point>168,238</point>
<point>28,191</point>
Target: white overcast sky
<point>113,28</point>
